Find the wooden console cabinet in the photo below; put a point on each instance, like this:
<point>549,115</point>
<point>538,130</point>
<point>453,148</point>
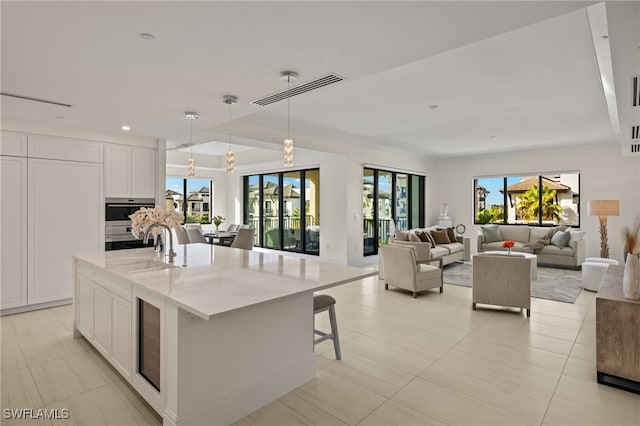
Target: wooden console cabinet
<point>617,336</point>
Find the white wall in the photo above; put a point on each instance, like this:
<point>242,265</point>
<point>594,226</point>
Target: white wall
<point>604,174</point>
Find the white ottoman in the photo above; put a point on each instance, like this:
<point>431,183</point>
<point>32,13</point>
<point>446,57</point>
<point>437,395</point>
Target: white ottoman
<point>593,270</point>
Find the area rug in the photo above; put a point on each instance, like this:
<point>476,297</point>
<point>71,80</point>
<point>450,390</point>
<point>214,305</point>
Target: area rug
<point>563,285</point>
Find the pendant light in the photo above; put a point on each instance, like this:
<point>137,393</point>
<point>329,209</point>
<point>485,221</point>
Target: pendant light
<point>191,166</point>
<point>230,100</point>
<point>288,76</point>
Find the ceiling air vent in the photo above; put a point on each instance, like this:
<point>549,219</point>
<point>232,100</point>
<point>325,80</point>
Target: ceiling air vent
<point>635,91</point>
<point>635,132</point>
<point>635,148</point>
<point>298,90</point>
<point>29,98</point>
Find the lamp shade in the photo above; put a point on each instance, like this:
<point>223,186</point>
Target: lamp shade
<point>603,208</point>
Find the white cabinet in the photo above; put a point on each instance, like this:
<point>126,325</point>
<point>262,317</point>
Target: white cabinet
<point>103,315</point>
<point>83,301</point>
<point>66,215</point>
<point>102,320</point>
<point>12,143</point>
<point>121,334</point>
<point>57,148</point>
<point>118,171</point>
<point>130,171</point>
<point>13,210</point>
<point>51,207</point>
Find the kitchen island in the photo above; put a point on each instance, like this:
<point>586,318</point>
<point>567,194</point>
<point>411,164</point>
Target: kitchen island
<point>210,337</point>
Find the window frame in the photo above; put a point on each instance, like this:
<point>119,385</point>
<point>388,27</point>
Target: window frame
<point>506,201</point>
<point>185,202</point>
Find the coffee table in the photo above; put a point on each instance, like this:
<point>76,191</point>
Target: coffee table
<point>533,257</point>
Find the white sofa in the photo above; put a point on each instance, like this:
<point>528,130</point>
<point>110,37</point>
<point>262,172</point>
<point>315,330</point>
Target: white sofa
<point>572,255</point>
<point>449,253</point>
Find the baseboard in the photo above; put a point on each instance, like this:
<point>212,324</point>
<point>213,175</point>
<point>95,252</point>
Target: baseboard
<point>35,307</point>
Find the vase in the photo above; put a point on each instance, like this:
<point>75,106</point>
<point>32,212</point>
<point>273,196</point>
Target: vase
<point>631,278</point>
<point>217,226</point>
<point>508,250</point>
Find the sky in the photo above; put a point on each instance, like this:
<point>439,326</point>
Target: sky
<point>175,183</point>
<point>494,185</point>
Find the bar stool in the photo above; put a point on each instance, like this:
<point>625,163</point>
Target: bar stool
<point>321,303</point>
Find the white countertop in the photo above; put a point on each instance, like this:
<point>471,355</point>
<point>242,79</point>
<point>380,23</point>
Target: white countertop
<point>209,280</point>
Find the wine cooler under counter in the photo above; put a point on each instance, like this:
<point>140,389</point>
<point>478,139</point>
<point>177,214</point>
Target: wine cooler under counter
<point>149,342</point>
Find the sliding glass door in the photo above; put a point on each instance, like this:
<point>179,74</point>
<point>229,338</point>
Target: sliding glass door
<point>285,209</point>
<point>389,195</point>
<point>311,216</point>
<point>291,212</point>
<point>271,211</point>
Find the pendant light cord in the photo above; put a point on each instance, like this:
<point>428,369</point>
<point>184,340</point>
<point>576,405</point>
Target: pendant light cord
<point>288,106</point>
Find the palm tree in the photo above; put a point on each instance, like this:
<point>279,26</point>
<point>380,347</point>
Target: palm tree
<point>529,206</point>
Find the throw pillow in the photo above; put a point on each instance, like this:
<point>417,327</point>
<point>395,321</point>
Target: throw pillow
<point>491,233</point>
<point>576,235</point>
<point>561,238</point>
<point>402,235</point>
<point>451,235</point>
<point>440,237</point>
<point>433,242</point>
<point>423,237</point>
<point>414,238</point>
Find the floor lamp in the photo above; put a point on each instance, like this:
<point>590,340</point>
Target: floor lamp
<point>602,209</point>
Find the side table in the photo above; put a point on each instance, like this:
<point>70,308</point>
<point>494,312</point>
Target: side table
<point>617,337</point>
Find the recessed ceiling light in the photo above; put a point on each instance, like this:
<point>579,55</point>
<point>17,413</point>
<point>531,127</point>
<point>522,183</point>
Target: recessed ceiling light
<point>58,117</point>
<point>433,106</point>
<point>147,36</point>
<point>492,137</point>
<point>605,36</point>
<point>125,128</point>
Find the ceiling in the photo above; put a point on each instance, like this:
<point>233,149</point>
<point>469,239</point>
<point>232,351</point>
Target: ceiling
<point>436,79</point>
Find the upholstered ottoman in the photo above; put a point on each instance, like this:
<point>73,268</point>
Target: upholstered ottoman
<point>593,270</point>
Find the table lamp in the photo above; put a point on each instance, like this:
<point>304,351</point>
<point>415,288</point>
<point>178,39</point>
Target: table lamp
<point>602,209</point>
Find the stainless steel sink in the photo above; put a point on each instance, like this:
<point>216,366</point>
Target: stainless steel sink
<point>139,265</point>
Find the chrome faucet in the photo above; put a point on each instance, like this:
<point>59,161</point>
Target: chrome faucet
<point>172,253</point>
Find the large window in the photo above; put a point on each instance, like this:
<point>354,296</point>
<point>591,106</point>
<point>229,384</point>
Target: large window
<point>284,208</point>
<point>549,199</point>
<point>387,195</point>
<point>195,206</point>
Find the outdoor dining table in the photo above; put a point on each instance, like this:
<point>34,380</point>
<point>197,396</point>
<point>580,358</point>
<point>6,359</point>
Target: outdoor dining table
<point>223,238</point>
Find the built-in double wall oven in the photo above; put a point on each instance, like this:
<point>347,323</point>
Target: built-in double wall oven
<point>118,225</point>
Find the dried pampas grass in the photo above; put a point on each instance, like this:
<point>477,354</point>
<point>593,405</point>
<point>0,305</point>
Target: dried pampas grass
<point>631,238</point>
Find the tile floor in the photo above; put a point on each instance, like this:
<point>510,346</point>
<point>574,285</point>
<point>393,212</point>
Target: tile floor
<point>425,361</point>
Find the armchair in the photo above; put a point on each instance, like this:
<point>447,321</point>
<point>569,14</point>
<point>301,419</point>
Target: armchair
<point>502,279</point>
<point>402,270</point>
